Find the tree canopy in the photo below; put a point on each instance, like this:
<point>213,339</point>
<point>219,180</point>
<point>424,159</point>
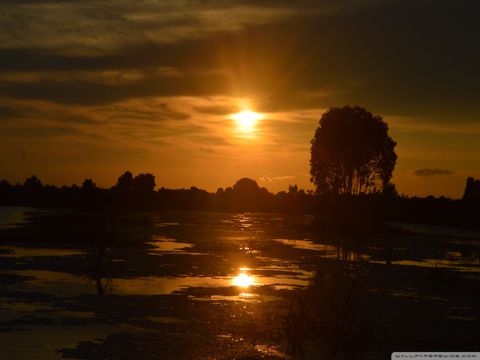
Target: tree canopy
<point>351,152</point>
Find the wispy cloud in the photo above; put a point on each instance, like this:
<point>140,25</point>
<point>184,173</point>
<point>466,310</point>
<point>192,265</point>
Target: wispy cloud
<point>268,179</point>
<point>98,27</point>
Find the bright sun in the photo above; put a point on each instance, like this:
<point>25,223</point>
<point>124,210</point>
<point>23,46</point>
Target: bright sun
<point>246,120</point>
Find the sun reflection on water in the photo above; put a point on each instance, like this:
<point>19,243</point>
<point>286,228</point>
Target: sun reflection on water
<point>243,280</point>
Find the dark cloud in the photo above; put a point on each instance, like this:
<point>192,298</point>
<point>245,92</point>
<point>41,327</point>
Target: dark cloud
<point>433,172</point>
<point>144,54</point>
<point>158,113</point>
<point>209,139</point>
<point>38,132</point>
<point>27,114</point>
<point>9,112</point>
<point>215,109</point>
<point>92,93</point>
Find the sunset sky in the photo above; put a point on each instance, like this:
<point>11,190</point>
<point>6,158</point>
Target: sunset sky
<point>93,88</point>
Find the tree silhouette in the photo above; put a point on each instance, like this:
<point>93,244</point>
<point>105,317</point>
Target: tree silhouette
<point>246,195</point>
<point>134,191</point>
<point>125,182</point>
<point>351,152</point>
<point>246,186</point>
<point>472,189</point>
<point>144,183</point>
<point>89,185</point>
<point>32,184</point>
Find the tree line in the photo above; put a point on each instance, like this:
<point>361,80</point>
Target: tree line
<point>139,193</point>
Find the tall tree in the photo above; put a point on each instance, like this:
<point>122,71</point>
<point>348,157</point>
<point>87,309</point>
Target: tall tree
<point>351,152</point>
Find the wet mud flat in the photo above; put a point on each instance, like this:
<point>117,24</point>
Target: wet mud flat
<point>222,286</point>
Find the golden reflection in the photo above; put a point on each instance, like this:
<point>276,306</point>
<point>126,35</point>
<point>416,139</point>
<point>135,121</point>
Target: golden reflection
<point>243,279</point>
<point>246,120</point>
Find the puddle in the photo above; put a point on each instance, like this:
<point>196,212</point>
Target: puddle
<point>66,285</point>
<point>308,245</point>
<point>166,224</point>
<point>163,244</point>
<point>328,251</point>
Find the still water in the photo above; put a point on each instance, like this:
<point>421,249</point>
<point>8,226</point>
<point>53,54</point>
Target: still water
<point>175,267</point>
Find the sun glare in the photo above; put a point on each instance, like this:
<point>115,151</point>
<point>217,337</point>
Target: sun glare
<point>246,120</point>
<point>243,280</point>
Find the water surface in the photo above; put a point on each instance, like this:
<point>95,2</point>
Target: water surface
<point>215,274</point>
